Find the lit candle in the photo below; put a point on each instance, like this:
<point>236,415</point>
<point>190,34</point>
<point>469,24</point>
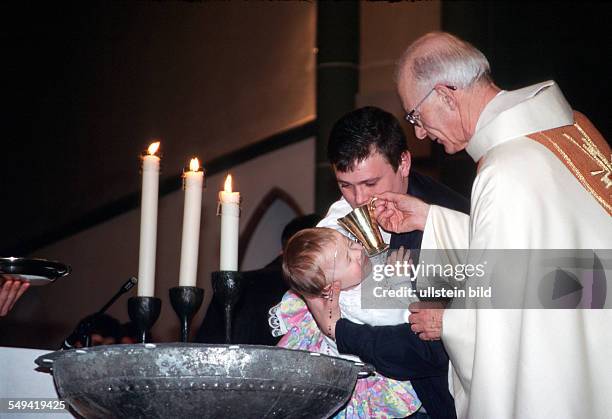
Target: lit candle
<point>148,222</point>
<point>230,215</point>
<point>193,182</point>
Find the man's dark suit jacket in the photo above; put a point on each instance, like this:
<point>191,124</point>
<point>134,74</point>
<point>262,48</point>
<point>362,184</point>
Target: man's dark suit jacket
<point>395,351</point>
<point>263,288</point>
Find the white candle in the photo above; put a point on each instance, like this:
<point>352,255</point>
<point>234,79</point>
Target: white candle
<point>230,215</point>
<point>193,182</point>
<point>148,222</point>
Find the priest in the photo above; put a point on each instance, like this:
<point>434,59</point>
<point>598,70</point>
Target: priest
<point>543,182</point>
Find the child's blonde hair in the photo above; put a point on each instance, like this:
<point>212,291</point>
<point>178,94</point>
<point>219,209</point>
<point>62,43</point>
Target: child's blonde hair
<point>304,258</point>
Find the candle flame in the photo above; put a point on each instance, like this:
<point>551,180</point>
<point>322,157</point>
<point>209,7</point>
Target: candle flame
<point>153,148</point>
<point>228,184</point>
<point>194,164</point>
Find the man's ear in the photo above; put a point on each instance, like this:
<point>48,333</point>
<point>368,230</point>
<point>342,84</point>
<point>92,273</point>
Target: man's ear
<point>447,97</point>
<point>405,162</point>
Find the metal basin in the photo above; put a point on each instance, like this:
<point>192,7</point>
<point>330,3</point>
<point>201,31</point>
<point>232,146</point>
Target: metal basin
<point>195,380</point>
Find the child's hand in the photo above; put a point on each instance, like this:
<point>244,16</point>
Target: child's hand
<point>326,309</point>
<point>400,255</point>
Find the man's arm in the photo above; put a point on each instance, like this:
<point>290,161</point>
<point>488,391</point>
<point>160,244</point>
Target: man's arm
<point>395,351</point>
<point>442,228</point>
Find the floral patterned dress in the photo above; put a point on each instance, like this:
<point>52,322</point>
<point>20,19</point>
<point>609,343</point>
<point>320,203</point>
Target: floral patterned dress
<point>375,396</point>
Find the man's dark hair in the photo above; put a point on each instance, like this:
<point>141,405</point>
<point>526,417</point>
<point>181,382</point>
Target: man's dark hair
<point>363,131</point>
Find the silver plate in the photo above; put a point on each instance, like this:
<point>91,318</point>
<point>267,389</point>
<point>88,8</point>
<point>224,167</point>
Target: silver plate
<point>35,271</point>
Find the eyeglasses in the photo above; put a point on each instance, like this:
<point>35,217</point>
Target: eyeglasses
<point>414,117</point>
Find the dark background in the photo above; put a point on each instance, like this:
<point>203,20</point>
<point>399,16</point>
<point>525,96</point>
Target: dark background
<point>59,59</point>
<point>530,42</point>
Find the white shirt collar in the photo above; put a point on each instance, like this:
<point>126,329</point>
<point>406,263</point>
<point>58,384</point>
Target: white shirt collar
<point>516,113</point>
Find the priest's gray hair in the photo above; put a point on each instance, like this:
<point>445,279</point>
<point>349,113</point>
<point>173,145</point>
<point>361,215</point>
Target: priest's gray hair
<point>442,58</point>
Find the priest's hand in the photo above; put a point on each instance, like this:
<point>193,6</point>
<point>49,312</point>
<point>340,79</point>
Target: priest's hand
<point>426,319</point>
<point>400,213</point>
<point>11,289</point>
<point>325,309</point>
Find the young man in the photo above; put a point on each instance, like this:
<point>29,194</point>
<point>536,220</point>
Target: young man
<point>369,154</point>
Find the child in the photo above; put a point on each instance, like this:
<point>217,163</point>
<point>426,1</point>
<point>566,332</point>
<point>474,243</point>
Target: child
<point>313,259</point>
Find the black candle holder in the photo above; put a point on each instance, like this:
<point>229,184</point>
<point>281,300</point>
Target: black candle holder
<point>227,287</point>
<point>186,301</point>
<point>143,312</point>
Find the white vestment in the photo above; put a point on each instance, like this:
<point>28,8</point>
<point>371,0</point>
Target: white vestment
<point>533,363</point>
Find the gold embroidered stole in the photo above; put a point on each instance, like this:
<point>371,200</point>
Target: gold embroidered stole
<point>585,153</point>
